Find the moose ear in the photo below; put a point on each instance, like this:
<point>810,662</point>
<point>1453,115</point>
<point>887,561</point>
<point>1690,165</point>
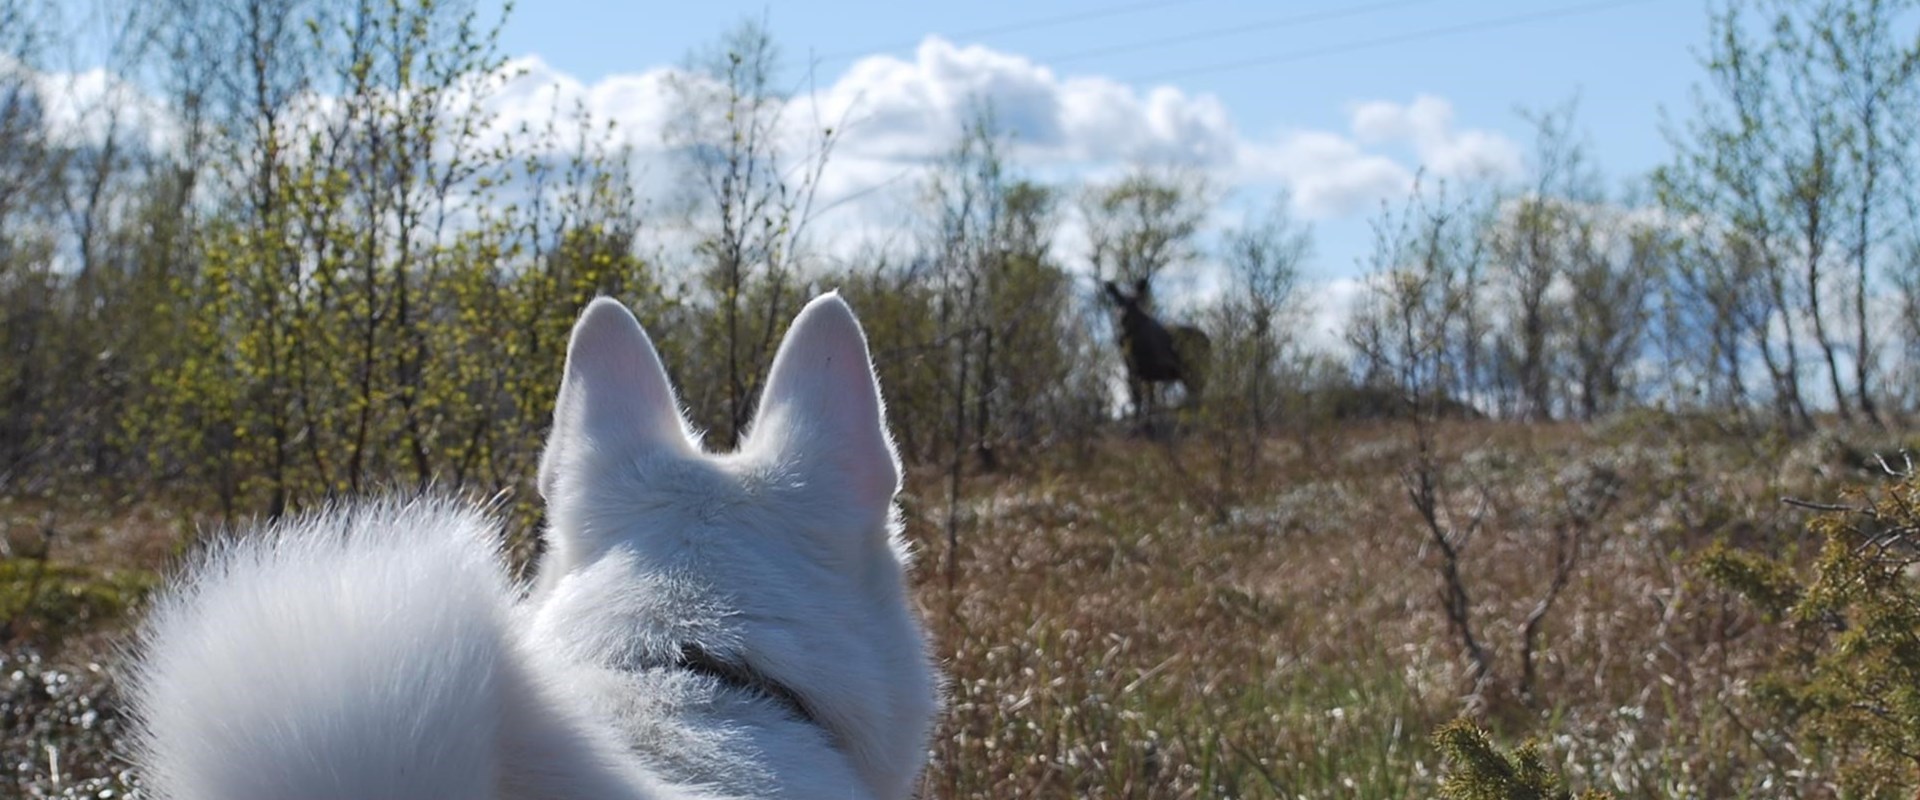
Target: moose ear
<point>614,397</point>
<point>821,409</point>
<point>1140,289</point>
<point>1113,292</point>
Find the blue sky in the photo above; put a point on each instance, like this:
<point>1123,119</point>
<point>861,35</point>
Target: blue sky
<point>1470,63</point>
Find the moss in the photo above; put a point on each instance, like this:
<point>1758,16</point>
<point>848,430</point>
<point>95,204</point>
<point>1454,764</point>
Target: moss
<point>43,601</point>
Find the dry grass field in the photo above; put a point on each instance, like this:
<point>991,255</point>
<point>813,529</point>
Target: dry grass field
<point>1156,620</point>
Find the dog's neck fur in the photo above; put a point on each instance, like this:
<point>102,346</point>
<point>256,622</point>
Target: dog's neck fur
<point>693,726</point>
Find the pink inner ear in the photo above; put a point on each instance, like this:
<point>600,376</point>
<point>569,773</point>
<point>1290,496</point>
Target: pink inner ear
<point>823,401</point>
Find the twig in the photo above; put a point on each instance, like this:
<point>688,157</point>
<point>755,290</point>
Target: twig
<point>1813,506</point>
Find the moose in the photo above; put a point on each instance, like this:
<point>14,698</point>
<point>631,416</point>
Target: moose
<point>1156,354</point>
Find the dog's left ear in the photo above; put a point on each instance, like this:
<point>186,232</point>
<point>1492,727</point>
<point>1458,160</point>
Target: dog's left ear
<point>822,407</point>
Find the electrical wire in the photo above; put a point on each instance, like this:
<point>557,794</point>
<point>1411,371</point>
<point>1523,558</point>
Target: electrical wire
<point>1366,44</point>
<point>1235,30</point>
<point>1017,27</point>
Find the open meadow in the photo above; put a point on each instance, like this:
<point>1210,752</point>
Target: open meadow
<point>1134,618</point>
<point>1280,415</point>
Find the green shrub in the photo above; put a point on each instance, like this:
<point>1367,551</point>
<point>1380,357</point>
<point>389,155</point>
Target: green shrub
<point>1849,687</point>
<point>1477,770</point>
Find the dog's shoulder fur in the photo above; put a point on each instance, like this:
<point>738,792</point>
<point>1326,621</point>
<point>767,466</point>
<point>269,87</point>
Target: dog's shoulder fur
<point>702,625</point>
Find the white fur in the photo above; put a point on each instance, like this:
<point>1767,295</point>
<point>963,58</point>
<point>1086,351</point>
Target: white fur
<point>380,652</point>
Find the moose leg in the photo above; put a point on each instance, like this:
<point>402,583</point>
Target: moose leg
<point>1152,421</point>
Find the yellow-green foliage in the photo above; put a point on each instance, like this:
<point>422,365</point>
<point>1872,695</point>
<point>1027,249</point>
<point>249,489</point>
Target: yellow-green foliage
<point>1850,688</point>
<point>386,307</point>
<point>1479,771</point>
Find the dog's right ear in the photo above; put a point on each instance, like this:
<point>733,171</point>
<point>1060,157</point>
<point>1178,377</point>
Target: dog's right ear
<point>821,408</point>
<point>614,397</point>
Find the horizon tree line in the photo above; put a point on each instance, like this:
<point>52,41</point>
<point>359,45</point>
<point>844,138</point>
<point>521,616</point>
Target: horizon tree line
<point>282,300</point>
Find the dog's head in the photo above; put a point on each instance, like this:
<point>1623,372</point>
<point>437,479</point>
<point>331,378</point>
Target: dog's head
<point>784,556</point>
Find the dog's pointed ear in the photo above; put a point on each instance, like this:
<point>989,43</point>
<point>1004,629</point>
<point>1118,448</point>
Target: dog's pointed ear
<point>822,407</point>
<point>614,396</point>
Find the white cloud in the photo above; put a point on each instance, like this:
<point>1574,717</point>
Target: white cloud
<point>908,112</point>
<point>1329,175</point>
<point>533,94</point>
<point>1328,306</point>
<point>1427,126</point>
<point>92,105</point>
<point>913,109</point>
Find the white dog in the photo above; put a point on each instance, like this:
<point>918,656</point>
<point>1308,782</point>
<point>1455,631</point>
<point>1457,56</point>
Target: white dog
<point>702,625</point>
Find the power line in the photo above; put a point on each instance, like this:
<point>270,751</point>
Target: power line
<point>1220,33</point>
<point>1431,33</point>
<point>1019,27</point>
